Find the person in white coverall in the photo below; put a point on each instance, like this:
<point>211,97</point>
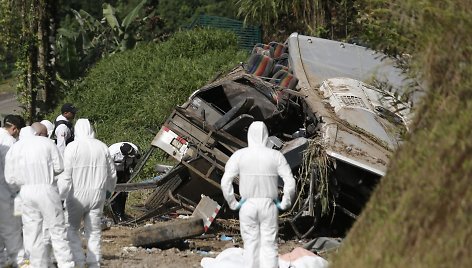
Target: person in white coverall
<point>49,126</point>
<point>10,225</point>
<point>258,168</point>
<point>90,172</point>
<point>32,164</point>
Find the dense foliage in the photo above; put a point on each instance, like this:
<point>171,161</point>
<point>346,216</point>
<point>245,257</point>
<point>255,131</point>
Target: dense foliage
<point>420,214</point>
<point>130,93</point>
<point>323,18</point>
<point>48,60</point>
<point>180,13</point>
<point>83,43</point>
<point>9,30</point>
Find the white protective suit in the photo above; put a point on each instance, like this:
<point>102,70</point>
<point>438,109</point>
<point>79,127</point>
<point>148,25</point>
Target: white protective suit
<point>10,226</point>
<point>258,168</point>
<point>49,126</point>
<point>91,172</point>
<point>63,133</point>
<point>31,164</point>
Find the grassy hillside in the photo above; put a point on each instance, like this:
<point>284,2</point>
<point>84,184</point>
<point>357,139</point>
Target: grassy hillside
<point>129,95</point>
<point>421,213</point>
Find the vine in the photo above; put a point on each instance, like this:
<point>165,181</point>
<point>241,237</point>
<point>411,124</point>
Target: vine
<point>8,38</point>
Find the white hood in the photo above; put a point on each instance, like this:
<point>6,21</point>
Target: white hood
<point>83,129</point>
<point>27,132</point>
<point>257,135</point>
<point>89,170</point>
<point>49,126</point>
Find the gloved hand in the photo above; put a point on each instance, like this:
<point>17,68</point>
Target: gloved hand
<point>240,203</point>
<point>278,204</point>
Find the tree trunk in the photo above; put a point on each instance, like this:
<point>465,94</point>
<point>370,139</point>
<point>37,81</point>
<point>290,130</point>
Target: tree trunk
<point>30,57</point>
<point>319,15</point>
<point>42,37</point>
<point>33,61</point>
<point>51,7</point>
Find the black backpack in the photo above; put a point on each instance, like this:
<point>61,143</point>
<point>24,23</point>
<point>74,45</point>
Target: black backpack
<point>69,125</point>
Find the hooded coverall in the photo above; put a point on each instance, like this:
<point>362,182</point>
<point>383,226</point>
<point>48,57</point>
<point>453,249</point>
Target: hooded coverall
<point>10,226</point>
<point>90,171</point>
<point>258,168</point>
<point>49,126</point>
<point>31,164</point>
<point>62,133</point>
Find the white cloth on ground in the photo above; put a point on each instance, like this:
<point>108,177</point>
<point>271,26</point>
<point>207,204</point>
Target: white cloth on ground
<point>233,258</point>
<point>90,173</point>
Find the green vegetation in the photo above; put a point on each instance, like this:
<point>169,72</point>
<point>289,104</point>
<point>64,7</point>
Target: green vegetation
<point>9,28</point>
<point>421,213</point>
<point>180,13</point>
<point>51,43</point>
<point>332,19</point>
<point>132,92</point>
<point>79,49</point>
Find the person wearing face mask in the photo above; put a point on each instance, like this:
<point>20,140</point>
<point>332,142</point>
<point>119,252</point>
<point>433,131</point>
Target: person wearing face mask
<point>258,168</point>
<point>90,173</point>
<point>10,225</point>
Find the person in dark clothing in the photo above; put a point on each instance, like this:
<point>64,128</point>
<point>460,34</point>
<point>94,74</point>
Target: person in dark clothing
<point>125,156</point>
<point>63,130</point>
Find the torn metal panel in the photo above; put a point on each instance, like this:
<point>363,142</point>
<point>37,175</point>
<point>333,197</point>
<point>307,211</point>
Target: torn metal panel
<point>207,209</point>
<point>315,60</point>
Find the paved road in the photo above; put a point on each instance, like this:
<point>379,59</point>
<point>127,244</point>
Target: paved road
<point>9,105</point>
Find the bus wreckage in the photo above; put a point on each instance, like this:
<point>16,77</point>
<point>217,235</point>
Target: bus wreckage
<point>326,109</point>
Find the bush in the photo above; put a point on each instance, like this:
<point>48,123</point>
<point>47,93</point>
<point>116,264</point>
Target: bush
<point>130,93</point>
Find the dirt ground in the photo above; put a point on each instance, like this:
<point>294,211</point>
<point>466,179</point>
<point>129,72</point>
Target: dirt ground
<point>119,252</point>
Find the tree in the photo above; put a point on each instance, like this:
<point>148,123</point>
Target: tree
<point>323,18</point>
<point>9,32</point>
<point>80,46</point>
<point>30,39</point>
<point>46,36</point>
<point>180,13</point>
<point>27,57</point>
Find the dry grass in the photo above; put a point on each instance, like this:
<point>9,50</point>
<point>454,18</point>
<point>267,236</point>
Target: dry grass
<point>316,164</point>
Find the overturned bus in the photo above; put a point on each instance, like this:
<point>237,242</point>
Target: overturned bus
<point>326,110</point>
